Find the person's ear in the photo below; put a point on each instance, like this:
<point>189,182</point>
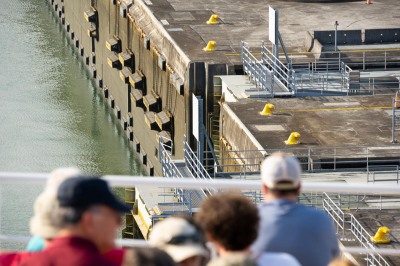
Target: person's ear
<point>298,190</point>
<point>87,221</point>
<point>264,189</point>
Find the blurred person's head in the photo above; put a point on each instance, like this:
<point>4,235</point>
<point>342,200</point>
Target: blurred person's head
<point>89,209</point>
<point>180,239</point>
<point>147,256</point>
<point>230,221</point>
<point>46,204</point>
<point>281,174</point>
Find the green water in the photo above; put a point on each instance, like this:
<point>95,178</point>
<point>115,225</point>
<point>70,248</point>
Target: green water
<point>50,114</point>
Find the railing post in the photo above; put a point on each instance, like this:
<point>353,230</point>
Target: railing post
<point>385,60</point>
<point>393,120</point>
<point>373,86</point>
<point>363,60</point>
<point>334,159</point>
<point>343,225</point>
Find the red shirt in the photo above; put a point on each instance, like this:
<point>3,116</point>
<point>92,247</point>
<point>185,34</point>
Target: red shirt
<point>13,258</point>
<point>67,251</point>
<point>115,255</point>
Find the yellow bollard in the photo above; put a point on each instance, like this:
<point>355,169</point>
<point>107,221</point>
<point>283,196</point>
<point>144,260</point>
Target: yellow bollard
<point>213,19</point>
<point>267,109</point>
<point>210,46</point>
<point>293,139</point>
<point>381,236</point>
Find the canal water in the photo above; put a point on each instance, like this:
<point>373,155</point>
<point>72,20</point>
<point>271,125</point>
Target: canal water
<point>50,114</point>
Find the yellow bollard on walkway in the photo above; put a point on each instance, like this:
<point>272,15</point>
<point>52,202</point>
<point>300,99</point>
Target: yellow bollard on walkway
<point>210,46</point>
<point>267,109</point>
<point>381,236</point>
<point>293,139</point>
<point>213,20</point>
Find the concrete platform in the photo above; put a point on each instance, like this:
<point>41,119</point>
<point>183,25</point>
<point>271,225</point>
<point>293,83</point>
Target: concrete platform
<point>333,121</point>
<point>185,22</point>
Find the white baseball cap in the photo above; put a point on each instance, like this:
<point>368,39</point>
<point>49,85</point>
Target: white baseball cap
<point>178,238</point>
<point>281,171</point>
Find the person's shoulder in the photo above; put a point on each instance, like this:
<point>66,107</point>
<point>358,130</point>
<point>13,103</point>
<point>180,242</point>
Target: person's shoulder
<point>234,258</point>
<point>317,213</point>
<point>277,258</point>
<point>116,255</point>
<point>34,258</point>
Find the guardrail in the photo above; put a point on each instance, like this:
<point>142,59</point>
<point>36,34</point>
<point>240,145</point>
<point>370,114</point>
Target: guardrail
<point>282,73</point>
<point>269,73</point>
<point>373,176</point>
<point>257,70</point>
<point>189,183</point>
<point>196,167</point>
<point>143,243</point>
<point>361,59</point>
<point>326,74</point>
<point>347,222</point>
<point>312,160</point>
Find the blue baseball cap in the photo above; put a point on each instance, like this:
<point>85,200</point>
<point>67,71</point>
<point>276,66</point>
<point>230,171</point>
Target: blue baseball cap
<point>83,192</point>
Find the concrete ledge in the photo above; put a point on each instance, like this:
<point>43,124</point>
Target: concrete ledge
<point>317,49</point>
<point>308,42</point>
<point>129,119</point>
<point>135,143</point>
<point>129,133</point>
<point>160,37</point>
<point>136,98</point>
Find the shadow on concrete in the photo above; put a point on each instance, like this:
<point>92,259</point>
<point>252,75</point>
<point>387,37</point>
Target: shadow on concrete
<point>327,1</point>
<point>283,114</point>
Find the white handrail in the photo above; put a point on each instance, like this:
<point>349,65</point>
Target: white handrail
<point>132,181</point>
<point>144,243</point>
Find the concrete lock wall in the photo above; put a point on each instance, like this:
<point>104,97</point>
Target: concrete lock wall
<point>235,137</point>
<point>164,66</point>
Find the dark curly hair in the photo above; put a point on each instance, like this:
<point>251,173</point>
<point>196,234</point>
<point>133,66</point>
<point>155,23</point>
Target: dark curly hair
<point>230,219</point>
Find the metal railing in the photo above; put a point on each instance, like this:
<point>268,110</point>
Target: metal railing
<point>360,59</point>
<point>346,222</point>
<point>143,243</point>
<point>269,73</point>
<point>255,69</point>
<point>325,74</point>
<point>196,167</point>
<point>356,158</point>
<point>170,170</point>
<point>283,74</point>
<point>383,176</point>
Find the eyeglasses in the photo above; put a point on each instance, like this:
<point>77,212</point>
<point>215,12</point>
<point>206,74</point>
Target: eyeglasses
<point>182,239</point>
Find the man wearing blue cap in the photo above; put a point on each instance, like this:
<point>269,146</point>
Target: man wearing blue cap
<point>89,217</point>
